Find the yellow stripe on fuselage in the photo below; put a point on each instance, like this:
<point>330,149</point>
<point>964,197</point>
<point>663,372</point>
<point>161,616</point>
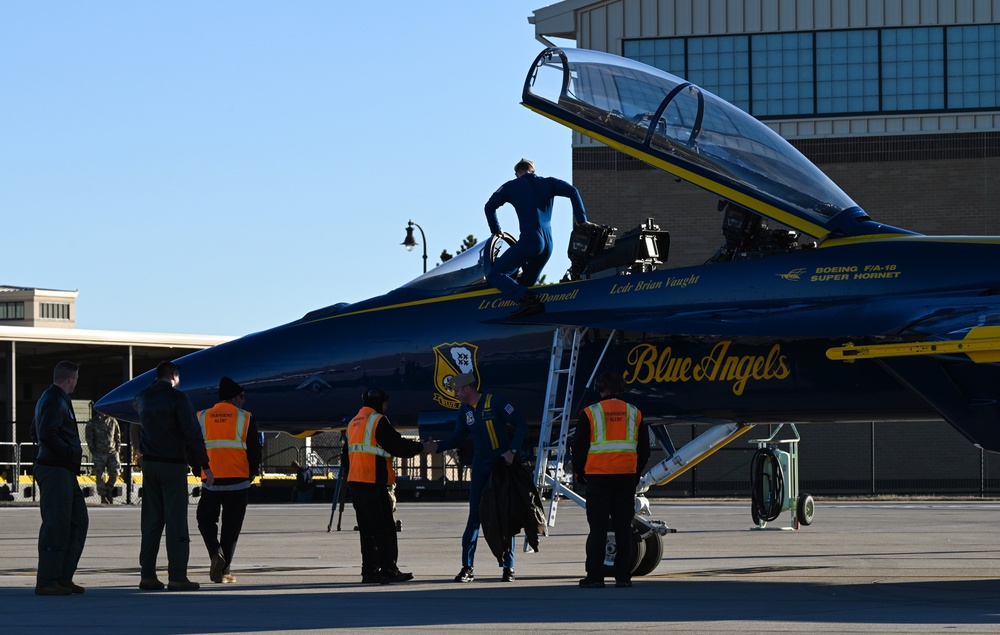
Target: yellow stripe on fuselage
<point>911,238</point>
<point>470,294</point>
<point>447,298</point>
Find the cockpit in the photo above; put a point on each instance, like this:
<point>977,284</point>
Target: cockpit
<point>747,235</point>
<point>465,269</point>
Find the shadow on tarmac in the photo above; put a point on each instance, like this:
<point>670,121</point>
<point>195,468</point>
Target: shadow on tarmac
<point>256,608</point>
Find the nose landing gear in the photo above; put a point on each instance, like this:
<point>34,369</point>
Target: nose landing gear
<point>647,546</point>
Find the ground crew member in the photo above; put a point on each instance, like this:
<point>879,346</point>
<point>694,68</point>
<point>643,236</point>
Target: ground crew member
<point>610,450</point>
<point>485,418</point>
<point>371,444</point>
<point>532,197</point>
<point>63,509</point>
<point>103,438</point>
<point>170,434</point>
<point>234,452</point>
<point>303,482</point>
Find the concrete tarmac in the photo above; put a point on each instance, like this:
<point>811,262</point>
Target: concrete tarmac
<point>872,567</point>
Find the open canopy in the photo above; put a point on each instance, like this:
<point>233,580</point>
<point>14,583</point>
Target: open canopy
<point>689,132</point>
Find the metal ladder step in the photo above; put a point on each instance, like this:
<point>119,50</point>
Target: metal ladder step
<point>550,473</point>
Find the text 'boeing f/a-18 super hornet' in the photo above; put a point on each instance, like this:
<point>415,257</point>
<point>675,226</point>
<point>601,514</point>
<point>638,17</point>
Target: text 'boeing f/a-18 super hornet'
<point>830,317</point>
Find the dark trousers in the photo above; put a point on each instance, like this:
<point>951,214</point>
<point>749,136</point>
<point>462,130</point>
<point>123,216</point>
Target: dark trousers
<point>106,468</point>
<point>233,507</point>
<point>164,504</point>
<point>529,254</point>
<point>376,527</point>
<point>470,537</point>
<point>610,504</point>
<point>64,524</point>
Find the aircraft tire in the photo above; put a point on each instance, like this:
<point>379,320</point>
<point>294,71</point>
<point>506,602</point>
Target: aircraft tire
<point>610,549</point>
<point>805,508</point>
<point>654,554</point>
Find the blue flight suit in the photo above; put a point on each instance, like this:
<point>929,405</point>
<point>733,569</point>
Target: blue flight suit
<point>487,424</point>
<point>532,197</point>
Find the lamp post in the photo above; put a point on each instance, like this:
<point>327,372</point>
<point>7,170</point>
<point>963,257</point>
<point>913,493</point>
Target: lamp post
<point>410,242</point>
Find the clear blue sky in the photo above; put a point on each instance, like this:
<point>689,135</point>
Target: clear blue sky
<point>224,167</point>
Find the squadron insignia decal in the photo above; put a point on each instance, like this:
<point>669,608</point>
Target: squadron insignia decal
<point>452,359</point>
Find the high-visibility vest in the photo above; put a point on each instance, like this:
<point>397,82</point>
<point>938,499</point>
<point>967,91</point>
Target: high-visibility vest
<point>364,451</point>
<point>614,425</point>
<point>225,429</point>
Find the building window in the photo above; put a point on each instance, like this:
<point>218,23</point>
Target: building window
<point>53,311</point>
<point>856,71</point>
<point>721,64</point>
<point>667,55</point>
<point>782,74</point>
<point>724,64</point>
<point>847,72</point>
<point>913,69</point>
<point>972,66</point>
<point>11,310</point>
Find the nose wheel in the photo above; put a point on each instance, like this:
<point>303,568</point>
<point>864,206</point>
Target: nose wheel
<point>646,552</point>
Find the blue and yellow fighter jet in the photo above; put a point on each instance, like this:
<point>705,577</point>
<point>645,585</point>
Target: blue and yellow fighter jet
<point>824,316</point>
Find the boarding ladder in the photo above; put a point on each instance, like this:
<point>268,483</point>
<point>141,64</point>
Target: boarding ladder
<point>551,476</point>
<point>550,461</point>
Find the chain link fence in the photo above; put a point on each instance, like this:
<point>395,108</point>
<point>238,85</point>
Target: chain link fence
<point>845,459</point>
<point>850,459</point>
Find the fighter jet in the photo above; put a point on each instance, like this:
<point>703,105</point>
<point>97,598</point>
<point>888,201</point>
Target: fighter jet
<point>810,311</point>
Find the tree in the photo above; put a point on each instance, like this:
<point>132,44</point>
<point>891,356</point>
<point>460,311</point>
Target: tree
<point>467,244</point>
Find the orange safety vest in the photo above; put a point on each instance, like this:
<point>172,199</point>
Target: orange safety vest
<point>225,429</point>
<point>364,450</point>
<point>614,427</point>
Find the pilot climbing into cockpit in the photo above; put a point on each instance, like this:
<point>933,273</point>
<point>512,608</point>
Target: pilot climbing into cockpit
<point>532,197</point>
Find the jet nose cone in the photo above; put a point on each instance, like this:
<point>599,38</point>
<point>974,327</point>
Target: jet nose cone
<point>118,402</point>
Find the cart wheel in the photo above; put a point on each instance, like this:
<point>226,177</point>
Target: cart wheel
<point>611,549</point>
<point>804,509</point>
<point>654,554</point>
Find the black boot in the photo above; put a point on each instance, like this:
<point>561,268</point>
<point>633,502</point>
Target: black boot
<point>530,304</point>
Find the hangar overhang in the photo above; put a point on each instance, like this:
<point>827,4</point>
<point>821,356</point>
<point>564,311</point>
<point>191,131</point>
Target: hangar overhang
<point>106,358</point>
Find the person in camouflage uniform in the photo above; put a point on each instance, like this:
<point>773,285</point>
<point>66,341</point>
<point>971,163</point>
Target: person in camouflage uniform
<point>103,439</point>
